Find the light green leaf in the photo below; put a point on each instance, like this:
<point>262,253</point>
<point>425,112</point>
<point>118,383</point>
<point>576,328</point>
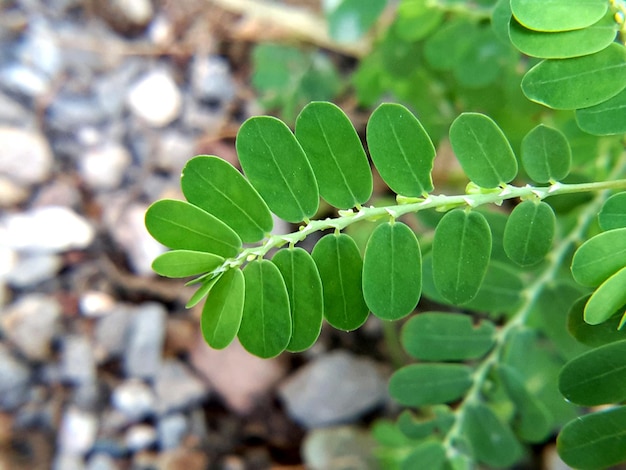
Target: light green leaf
<point>607,299</point>
<point>340,266</point>
<point>277,167</point>
<point>401,150</point>
<point>438,336</point>
<point>600,257</point>
<point>180,225</point>
<point>613,213</point>
<point>546,155</point>
<point>461,251</point>
<point>221,315</point>
<point>306,299</point>
<point>416,19</point>
<point>348,20</point>
<point>558,15</point>
<point>597,377</point>
<point>606,118</point>
<point>335,153</point>
<point>392,271</point>
<point>266,324</point>
<point>483,150</point>
<point>430,384</point>
<point>183,263</point>
<point>217,187</point>
<point>579,82</point>
<point>529,232</point>
<point>592,335</point>
<point>500,18</point>
<point>429,454</point>
<point>594,441</point>
<point>202,291</point>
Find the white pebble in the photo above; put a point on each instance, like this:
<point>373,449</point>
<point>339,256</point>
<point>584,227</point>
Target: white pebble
<point>25,156</point>
<point>104,167</point>
<point>156,99</point>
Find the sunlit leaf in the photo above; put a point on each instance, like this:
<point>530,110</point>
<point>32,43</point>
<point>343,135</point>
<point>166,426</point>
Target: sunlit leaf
<point>546,155</point>
<point>180,225</point>
<point>429,454</point>
<point>593,335</point>
<point>348,20</point>
<point>277,167</point>
<point>607,299</point>
<point>266,324</point>
<point>529,232</point>
<point>600,257</point>
<point>392,271</point>
<point>606,118</point>
<point>203,290</point>
<point>335,153</point>
<point>416,19</point>
<point>558,15</point>
<point>340,266</point>
<point>483,150</point>
<point>613,213</point>
<point>306,300</point>
<point>401,150</point>
<point>183,263</point>
<point>221,315</point>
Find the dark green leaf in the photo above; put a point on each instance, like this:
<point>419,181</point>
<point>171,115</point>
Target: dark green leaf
<point>461,251</point>
<point>607,299</point>
<point>266,324</point>
<point>401,150</point>
<point>481,63</point>
<point>613,213</point>
<point>546,154</point>
<point>529,232</point>
<point>392,271</point>
<point>443,49</point>
<point>558,15</point>
<point>606,118</point>
<point>483,150</point>
<point>336,155</point>
<point>221,315</point>
<point>348,20</point>
<point>592,335</point>
<point>600,257</point>
<point>340,266</point>
<point>183,263</point>
<point>435,419</point>
<point>500,18</point>
<point>306,300</point>
<point>429,454</point>
<point>434,336</point>
<point>430,384</point>
<point>278,168</point>
<point>180,225</point>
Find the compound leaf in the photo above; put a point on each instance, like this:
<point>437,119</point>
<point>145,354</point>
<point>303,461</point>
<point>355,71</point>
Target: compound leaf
<point>340,266</point>
<point>222,312</point>
<point>600,257</point>
<point>306,299</point>
<point>401,150</point>
<point>461,251</point>
<point>483,150</point>
<point>607,299</point>
<point>277,167</point>
<point>592,335</point>
<point>613,213</point>
<point>546,155</point>
<point>180,225</point>
<point>392,271</point>
<point>606,118</point>
<point>558,15</point>
<point>266,324</point>
<point>429,454</point>
<point>217,187</point>
<point>183,263</point>
<point>529,232</point>
<point>335,153</point>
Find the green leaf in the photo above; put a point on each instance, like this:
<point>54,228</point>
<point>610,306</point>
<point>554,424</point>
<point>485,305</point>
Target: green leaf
<point>546,155</point>
<point>613,213</point>
<point>183,263</point>
<point>592,335</point>
<point>500,19</point>
<point>492,442</point>
<point>481,63</point>
<point>597,377</point>
<point>266,324</point>
<point>435,419</point>
<point>529,232</point>
<point>558,15</point>
<point>222,312</point>
<point>429,454</point>
<point>277,167</point>
<point>606,118</point>
<point>180,225</point>
<point>430,384</point>
<point>217,187</point>
<point>348,20</point>
<point>600,257</point>
<point>483,150</point>
<point>340,266</point>
<point>579,82</point>
<point>392,271</point>
<point>202,291</point>
<point>416,19</point>
<point>435,336</point>
<point>607,299</point>
<point>443,49</point>
<point>401,150</point>
<point>594,441</point>
<point>564,44</point>
<point>306,299</point>
<point>336,155</point>
<point>461,251</point>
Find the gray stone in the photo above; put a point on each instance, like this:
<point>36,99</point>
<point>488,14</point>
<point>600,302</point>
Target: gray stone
<point>101,461</point>
<point>39,49</point>
<point>111,332</point>
<point>68,462</point>
<point>134,399</point>
<point>173,152</point>
<point>155,98</point>
<point>33,269</point>
<point>144,341</point>
<point>96,304</point>
<point>25,156</point>
<point>104,167</point>
<point>24,81</point>
<point>177,388</point>
<point>171,430</point>
<point>77,361</point>
<point>342,448</point>
<point>14,379</point>
<point>139,437</point>
<point>211,81</point>
<point>77,432</point>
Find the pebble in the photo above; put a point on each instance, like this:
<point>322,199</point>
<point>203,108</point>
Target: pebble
<point>139,437</point>
<point>211,81</point>
<point>11,193</point>
<point>331,448</point>
<point>104,167</point>
<point>110,333</point>
<point>30,270</point>
<point>134,399</point>
<point>144,341</point>
<point>173,152</point>
<point>77,361</point>
<point>39,49</point>
<point>177,388</point>
<point>24,81</point>
<point>171,429</point>
<point>155,98</point>
<point>14,380</point>
<point>101,461</point>
<point>77,432</point>
<point>25,156</point>
<point>95,304</point>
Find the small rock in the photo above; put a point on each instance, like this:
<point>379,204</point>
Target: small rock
<point>14,379</point>
<point>59,192</point>
<point>174,151</point>
<point>144,342</point>
<point>33,269</point>
<point>101,461</point>
<point>134,399</point>
<point>39,49</point>
<point>77,361</point>
<point>104,168</point>
<point>8,260</point>
<point>177,388</point>
<point>330,449</point>
<point>183,459</point>
<point>77,432</point>
<point>25,81</point>
<point>156,99</point>
<point>11,193</point>
<point>68,462</point>
<point>335,388</point>
<point>211,81</point>
<point>111,332</point>
<point>14,113</point>
<point>96,303</point>
<point>171,429</point>
<point>140,437</point>
<point>25,156</point>
<point>128,17</point>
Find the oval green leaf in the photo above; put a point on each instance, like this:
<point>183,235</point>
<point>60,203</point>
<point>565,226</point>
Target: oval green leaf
<point>607,118</point>
<point>335,153</point>
<point>600,257</point>
<point>432,419</point>
<point>222,312</point>
<point>340,266</point>
<point>183,263</point>
<point>461,251</point>
<point>348,20</point>
<point>579,82</point>
<point>546,155</point>
<point>437,336</point>
<point>392,271</point>
<point>306,299</point>
<point>277,167</point>
<point>429,454</point>
<point>558,15</point>
<point>529,232</point>
<point>430,384</point>
<point>266,324</point>
<point>613,213</point>
<point>500,19</point>
<point>607,299</point>
<point>217,187</point>
<point>180,225</point>
<point>592,335</point>
<point>401,150</point>
<point>205,287</point>
<point>483,150</point>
